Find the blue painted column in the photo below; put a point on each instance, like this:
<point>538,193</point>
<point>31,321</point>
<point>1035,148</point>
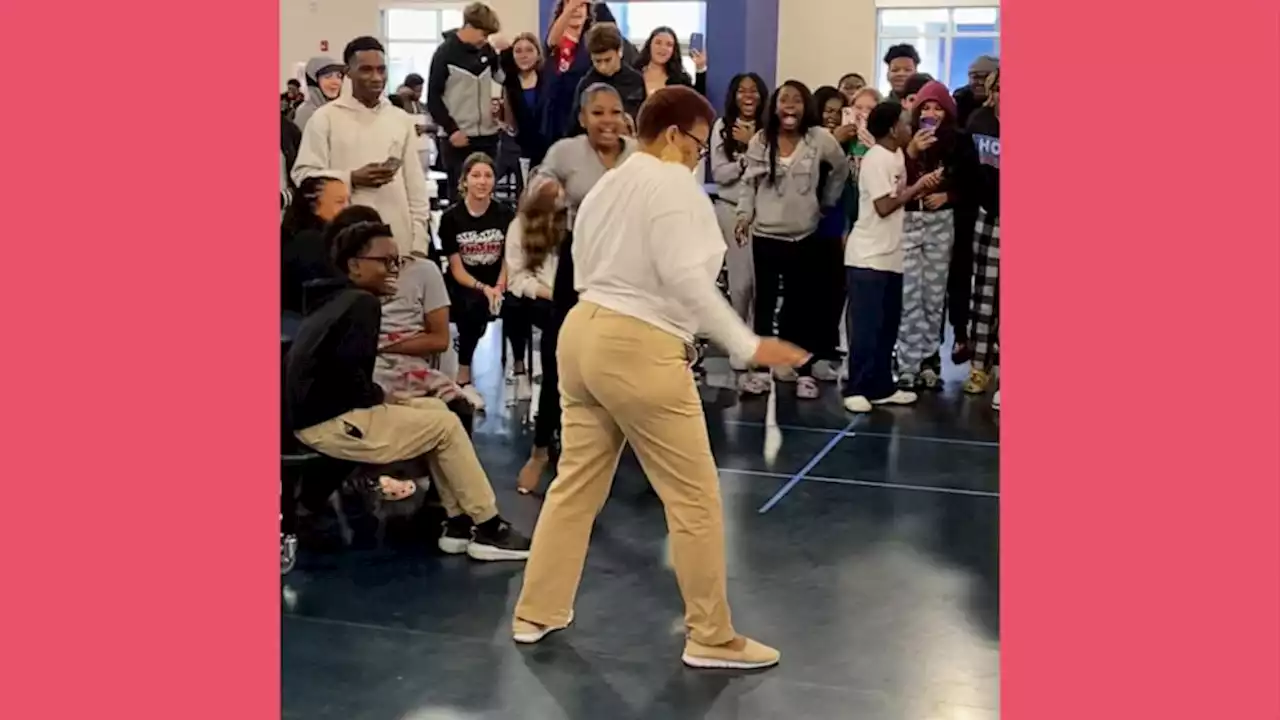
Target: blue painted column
<point>742,36</point>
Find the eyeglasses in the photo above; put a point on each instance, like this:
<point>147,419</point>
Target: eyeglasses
<point>391,263</point>
<point>703,150</point>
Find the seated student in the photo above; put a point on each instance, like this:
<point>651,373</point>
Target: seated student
<point>304,255</point>
<point>874,261</point>
<point>605,42</point>
<point>333,405</point>
<point>415,329</point>
<point>473,236</point>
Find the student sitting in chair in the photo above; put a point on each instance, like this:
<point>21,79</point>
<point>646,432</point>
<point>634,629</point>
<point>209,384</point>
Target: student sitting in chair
<point>333,405</point>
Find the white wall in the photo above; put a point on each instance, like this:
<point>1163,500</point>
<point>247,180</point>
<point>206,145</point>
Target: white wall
<point>304,23</point>
<point>820,40</point>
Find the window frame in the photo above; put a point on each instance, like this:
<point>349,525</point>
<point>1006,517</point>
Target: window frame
<point>684,41</point>
<point>438,8</point>
<point>946,38</point>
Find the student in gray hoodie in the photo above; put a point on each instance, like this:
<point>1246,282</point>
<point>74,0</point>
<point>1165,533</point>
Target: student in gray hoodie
<point>464,74</point>
<point>794,169</point>
<point>324,83</point>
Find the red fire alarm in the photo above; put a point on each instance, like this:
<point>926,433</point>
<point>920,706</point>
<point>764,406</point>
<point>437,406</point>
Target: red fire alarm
<point>324,46</point>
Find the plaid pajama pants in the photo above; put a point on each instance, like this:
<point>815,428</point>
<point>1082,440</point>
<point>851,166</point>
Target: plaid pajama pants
<point>927,237</point>
<point>985,322</point>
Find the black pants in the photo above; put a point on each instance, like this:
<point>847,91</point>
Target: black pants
<point>520,315</point>
<point>875,309</point>
<point>811,275</point>
<point>470,313</point>
<point>452,158</point>
<point>960,273</point>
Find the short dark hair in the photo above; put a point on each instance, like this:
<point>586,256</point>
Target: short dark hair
<point>345,219</point>
<point>354,239</point>
<point>883,118</point>
<point>603,37</point>
<point>414,80</point>
<point>903,50</point>
<point>673,105</point>
<point>361,44</point>
<point>846,76</point>
<point>293,82</point>
<point>481,17</point>
<point>916,83</point>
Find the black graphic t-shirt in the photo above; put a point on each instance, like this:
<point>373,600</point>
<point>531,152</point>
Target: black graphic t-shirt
<point>984,130</point>
<point>480,241</point>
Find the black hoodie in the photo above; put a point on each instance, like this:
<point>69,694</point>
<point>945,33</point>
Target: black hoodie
<point>329,368</point>
<point>460,87</point>
<point>627,81</point>
<point>984,131</point>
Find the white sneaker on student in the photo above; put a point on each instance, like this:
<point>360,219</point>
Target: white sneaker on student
<point>473,396</point>
<point>900,397</point>
<point>524,389</point>
<point>995,401</point>
<point>857,404</point>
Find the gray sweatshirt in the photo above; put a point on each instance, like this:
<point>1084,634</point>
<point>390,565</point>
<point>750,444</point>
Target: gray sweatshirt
<point>791,207</point>
<point>726,173</point>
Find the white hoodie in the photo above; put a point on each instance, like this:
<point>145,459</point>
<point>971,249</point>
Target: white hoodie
<point>345,135</point>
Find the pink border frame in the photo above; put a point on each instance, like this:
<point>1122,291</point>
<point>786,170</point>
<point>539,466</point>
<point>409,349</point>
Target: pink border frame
<point>1140,497</point>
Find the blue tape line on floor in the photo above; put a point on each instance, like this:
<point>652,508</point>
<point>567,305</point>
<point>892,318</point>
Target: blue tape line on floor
<point>813,462</point>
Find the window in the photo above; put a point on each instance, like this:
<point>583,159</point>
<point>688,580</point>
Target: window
<point>948,39</point>
<point>638,18</point>
<point>412,35</point>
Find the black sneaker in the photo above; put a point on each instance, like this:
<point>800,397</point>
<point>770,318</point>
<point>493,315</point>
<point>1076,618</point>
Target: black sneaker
<point>457,535</point>
<point>498,541</point>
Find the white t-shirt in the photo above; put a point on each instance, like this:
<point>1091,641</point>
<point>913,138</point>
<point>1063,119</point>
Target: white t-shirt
<point>876,242</point>
<point>646,244</point>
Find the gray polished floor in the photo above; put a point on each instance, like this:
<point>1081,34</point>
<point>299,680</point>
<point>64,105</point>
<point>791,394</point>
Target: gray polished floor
<point>873,567</point>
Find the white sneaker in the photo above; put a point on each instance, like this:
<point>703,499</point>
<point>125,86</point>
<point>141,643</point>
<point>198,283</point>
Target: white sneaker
<point>473,396</point>
<point>857,404</point>
<point>527,633</point>
<point>524,390</point>
<point>900,397</point>
<point>826,371</point>
<point>995,401</point>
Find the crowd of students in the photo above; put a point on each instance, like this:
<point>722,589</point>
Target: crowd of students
<point>855,226</point>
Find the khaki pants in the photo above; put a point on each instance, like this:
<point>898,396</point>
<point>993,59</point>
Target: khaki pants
<point>394,433</point>
<point>623,380</point>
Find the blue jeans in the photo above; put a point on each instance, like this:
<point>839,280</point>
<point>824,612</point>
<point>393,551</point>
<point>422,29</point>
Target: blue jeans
<point>875,309</point>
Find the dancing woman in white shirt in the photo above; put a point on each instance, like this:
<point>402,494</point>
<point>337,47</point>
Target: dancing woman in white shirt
<point>646,252</point>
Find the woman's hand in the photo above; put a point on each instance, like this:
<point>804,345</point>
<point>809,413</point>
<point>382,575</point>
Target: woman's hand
<point>926,183</point>
<point>742,231</point>
<point>492,294</point>
<point>845,133</point>
<point>742,132</point>
<point>773,352</point>
<point>699,60</point>
<point>935,201</point>
<point>923,140</point>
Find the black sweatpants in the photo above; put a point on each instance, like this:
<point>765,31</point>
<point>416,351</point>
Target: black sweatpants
<point>960,273</point>
<point>811,272</point>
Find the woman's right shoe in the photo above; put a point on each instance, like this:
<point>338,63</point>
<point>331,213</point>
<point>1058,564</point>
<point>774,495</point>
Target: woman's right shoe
<point>826,371</point>
<point>527,633</point>
<point>741,654</point>
<point>473,396</point>
<point>457,535</point>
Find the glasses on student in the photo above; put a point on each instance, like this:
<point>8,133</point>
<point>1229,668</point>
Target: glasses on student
<point>703,150</point>
<point>391,263</point>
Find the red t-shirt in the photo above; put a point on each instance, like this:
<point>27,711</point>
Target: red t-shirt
<point>565,51</point>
